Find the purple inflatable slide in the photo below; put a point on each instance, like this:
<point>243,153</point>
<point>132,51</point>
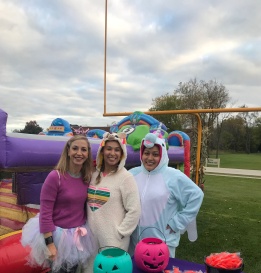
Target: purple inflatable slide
<point>31,157</point>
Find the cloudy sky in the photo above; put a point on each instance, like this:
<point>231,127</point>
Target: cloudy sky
<point>52,55</point>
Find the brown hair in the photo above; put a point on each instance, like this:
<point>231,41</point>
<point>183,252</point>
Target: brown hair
<point>98,178</point>
<point>63,163</point>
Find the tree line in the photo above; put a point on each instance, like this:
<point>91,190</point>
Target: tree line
<point>31,127</point>
<point>229,132</point>
<point>221,132</point>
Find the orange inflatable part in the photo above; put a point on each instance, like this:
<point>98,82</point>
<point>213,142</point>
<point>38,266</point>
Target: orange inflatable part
<point>13,255</point>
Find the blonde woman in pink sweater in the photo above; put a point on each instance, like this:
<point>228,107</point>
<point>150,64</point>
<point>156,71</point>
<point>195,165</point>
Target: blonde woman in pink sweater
<point>59,236</point>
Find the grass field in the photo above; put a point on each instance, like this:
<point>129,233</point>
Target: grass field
<point>229,220</point>
<point>239,161</point>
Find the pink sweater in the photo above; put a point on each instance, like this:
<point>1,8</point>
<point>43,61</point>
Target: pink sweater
<point>62,202</point>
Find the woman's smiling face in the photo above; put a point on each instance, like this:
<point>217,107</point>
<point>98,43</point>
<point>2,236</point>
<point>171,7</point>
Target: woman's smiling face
<point>112,153</point>
<point>151,158</point>
<point>78,152</point>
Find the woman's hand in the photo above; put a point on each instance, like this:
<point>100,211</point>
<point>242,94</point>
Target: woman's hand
<point>48,237</point>
<point>53,251</point>
<point>171,230</point>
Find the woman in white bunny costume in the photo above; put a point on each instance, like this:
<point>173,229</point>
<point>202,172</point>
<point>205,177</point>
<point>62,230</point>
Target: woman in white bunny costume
<point>170,200</point>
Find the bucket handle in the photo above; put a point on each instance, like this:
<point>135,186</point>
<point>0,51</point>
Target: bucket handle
<point>157,229</point>
<point>99,250</point>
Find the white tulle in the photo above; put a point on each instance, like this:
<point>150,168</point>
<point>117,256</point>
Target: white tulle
<point>69,253</point>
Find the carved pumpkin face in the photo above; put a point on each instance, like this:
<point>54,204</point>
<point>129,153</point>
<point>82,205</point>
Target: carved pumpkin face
<point>112,260</point>
<point>151,255</point>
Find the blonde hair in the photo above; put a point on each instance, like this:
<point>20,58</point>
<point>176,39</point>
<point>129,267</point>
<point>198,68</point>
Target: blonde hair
<point>63,163</point>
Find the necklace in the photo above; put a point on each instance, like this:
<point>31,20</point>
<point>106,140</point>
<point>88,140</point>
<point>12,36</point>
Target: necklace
<point>75,175</point>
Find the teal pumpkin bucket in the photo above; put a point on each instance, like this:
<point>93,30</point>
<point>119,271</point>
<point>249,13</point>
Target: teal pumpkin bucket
<point>112,259</point>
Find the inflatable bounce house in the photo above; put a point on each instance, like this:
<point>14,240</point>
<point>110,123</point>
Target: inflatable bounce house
<point>31,157</point>
<point>59,127</point>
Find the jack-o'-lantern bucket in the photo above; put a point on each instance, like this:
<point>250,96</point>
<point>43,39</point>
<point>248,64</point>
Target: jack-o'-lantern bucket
<point>151,254</point>
<point>112,259</point>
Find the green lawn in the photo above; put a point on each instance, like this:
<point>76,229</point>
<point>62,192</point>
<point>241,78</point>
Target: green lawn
<point>239,161</point>
<point>229,220</point>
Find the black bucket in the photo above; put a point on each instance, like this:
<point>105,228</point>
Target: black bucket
<point>211,269</point>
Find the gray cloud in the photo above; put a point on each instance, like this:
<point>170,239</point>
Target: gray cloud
<point>52,55</point>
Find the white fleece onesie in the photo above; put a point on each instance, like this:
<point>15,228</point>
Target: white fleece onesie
<point>168,197</point>
<point>113,205</point>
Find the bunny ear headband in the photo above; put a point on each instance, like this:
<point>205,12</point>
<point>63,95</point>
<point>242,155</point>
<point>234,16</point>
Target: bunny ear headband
<point>154,138</point>
<point>120,137</point>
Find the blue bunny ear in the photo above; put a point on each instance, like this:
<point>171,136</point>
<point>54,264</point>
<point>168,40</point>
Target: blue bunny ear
<point>150,140</point>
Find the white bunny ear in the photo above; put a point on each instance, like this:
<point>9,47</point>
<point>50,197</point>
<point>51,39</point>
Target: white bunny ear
<point>105,135</point>
<point>122,135</point>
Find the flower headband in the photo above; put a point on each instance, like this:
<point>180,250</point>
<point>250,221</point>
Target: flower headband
<point>80,131</point>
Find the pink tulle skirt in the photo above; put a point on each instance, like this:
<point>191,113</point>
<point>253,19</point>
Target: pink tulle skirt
<point>72,248</point>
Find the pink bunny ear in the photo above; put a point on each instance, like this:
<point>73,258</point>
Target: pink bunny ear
<point>147,142</point>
